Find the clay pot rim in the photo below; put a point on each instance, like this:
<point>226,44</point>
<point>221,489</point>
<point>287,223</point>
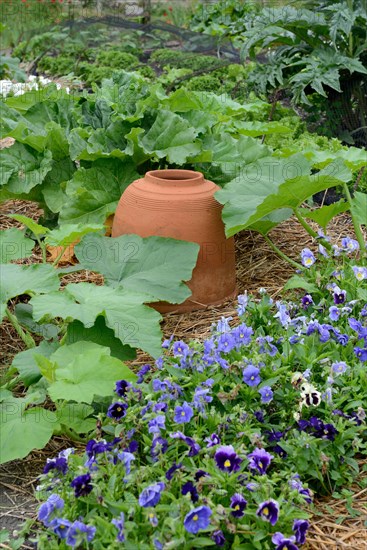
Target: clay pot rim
<point>175,176</point>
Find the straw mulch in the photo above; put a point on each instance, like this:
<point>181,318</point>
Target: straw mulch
<point>337,524</point>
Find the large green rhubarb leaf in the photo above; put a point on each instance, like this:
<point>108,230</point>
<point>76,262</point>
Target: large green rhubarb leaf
<point>359,207</point>
<point>14,245</point>
<point>25,279</point>
<point>172,137</point>
<point>26,364</point>
<point>133,323</point>
<point>23,430</point>
<point>23,168</point>
<point>269,185</point>
<point>93,193</point>
<point>154,266</point>
<point>82,372</point>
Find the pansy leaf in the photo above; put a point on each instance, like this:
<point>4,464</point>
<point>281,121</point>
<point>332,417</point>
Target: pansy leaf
<point>155,266</point>
<point>14,245</point>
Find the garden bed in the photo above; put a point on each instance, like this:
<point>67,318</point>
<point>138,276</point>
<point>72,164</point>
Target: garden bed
<point>337,523</point>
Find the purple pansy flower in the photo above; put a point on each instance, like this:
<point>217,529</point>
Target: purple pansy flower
<point>251,376</point>
<point>218,538</point>
<point>361,353</point>
<point>172,470</point>
<point>120,524</point>
<point>268,511</point>
<point>266,394</point>
<point>159,445</point>
<point>126,458</point>
<point>300,528</point>
<point>150,496</point>
<point>117,410</point>
<point>194,447</point>
<point>60,527</point>
<point>306,301</point>
<point>142,372</point>
<point>349,245</point>
<point>339,295</point>
<point>334,313</point>
<point>242,335</point>
<point>79,533</point>
<point>190,488</point>
<point>281,542</point>
<point>359,272</point>
<point>339,367</point>
<point>242,300</point>
<point>227,459</point>
<point>82,485</point>
<point>259,460</point>
<point>183,413</point>
<point>213,440</point>
<point>238,504</point>
<point>60,464</point>
<point>122,387</point>
<point>48,508</point>
<point>157,424</point>
<point>307,257</point>
<point>180,349</point>
<point>198,519</point>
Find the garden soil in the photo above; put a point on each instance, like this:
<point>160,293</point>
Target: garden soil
<point>337,524</point>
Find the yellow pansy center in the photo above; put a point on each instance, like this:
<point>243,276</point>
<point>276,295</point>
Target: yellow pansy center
<point>227,463</point>
<point>183,413</point>
<point>118,409</point>
<point>261,464</point>
<point>266,511</point>
<point>308,261</point>
<point>196,517</point>
<point>237,507</point>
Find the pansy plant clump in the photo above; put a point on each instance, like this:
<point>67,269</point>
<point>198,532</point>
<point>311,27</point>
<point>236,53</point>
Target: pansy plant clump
<point>224,442</point>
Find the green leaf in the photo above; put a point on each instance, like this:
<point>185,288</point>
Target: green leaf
<point>24,430</point>
<point>358,207</point>
<point>269,185</point>
<point>75,416</point>
<point>90,373</point>
<point>268,222</point>
<point>100,334</point>
<point>30,224</point>
<point>172,137</point>
<point>26,364</point>
<point>25,279</point>
<point>298,282</point>
<point>133,323</point>
<point>14,245</point>
<point>23,168</point>
<point>154,266</point>
<point>94,193</point>
<point>254,129</point>
<point>24,315</point>
<point>325,214</point>
<point>70,233</point>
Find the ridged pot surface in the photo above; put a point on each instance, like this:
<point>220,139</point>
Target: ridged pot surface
<point>180,204</point>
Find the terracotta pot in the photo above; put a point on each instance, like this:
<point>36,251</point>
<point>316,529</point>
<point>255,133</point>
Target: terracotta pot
<point>180,204</point>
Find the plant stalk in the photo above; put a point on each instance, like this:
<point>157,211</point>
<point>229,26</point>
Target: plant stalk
<point>25,336</point>
<point>311,231</point>
<point>282,255</point>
